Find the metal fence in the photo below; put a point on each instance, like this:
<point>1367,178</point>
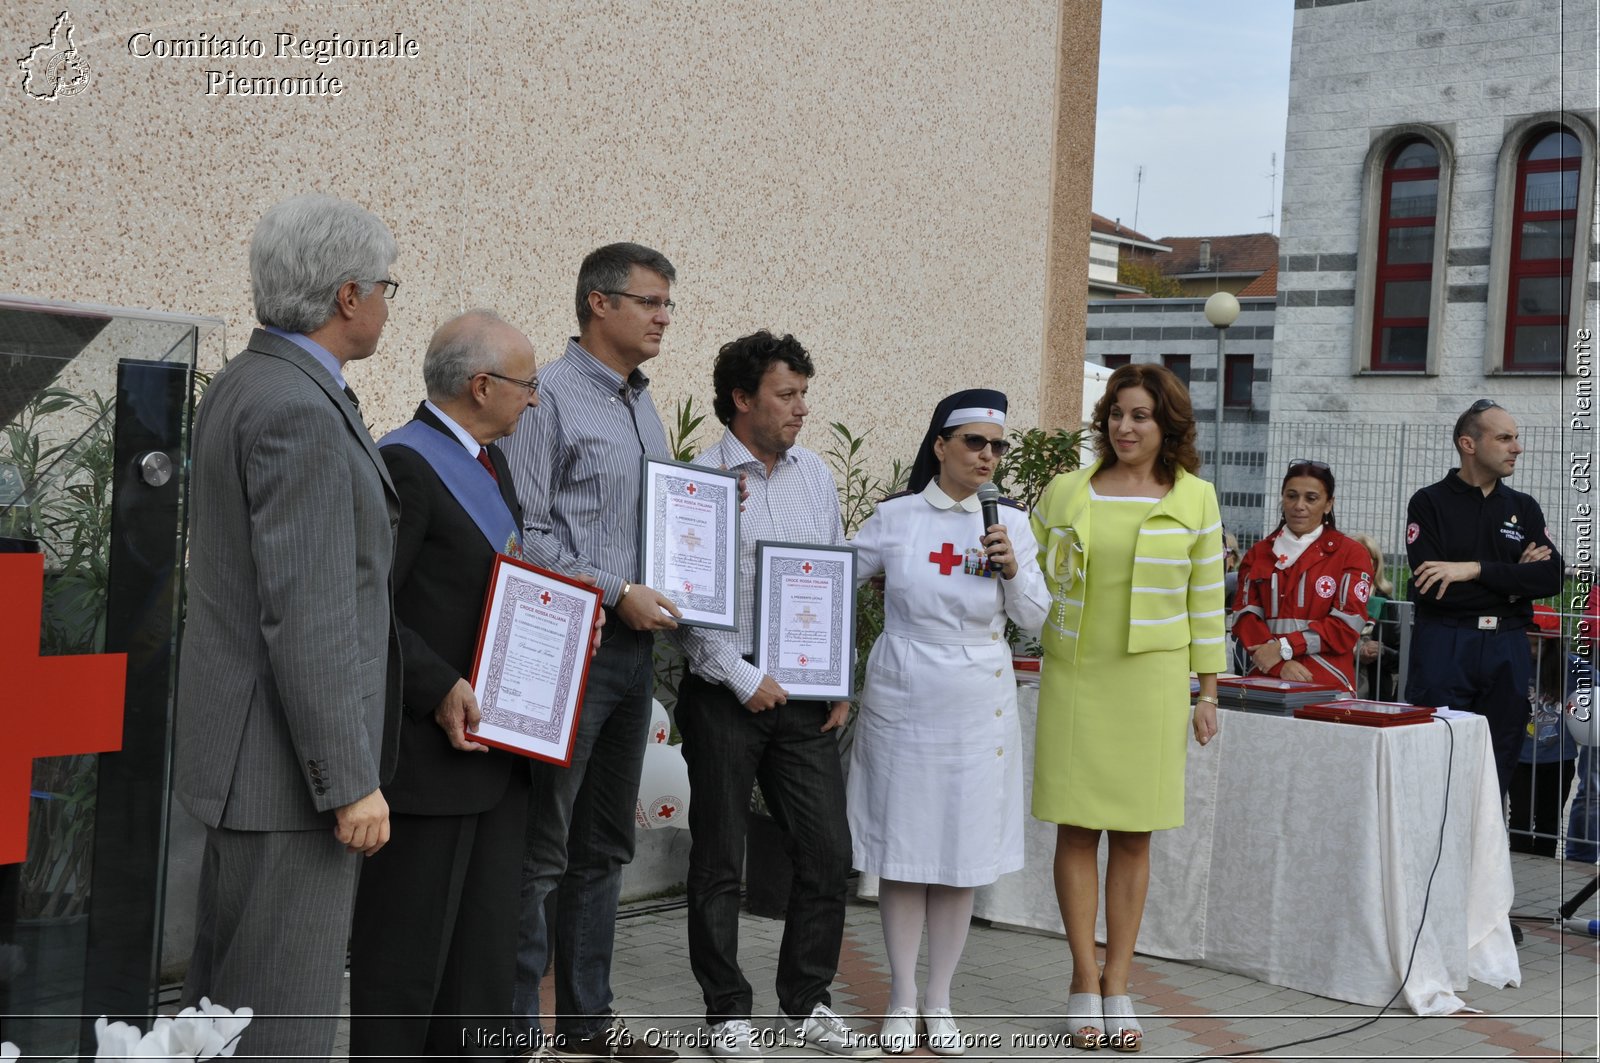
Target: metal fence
<point>1377,468</point>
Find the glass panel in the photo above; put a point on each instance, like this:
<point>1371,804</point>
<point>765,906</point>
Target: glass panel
<point>1409,244</point>
<point>1551,190</point>
<point>1413,199</point>
<point>1406,298</point>
<point>64,494</point>
<point>1404,348</point>
<point>1417,155</point>
<point>1541,296</point>
<point>1557,145</point>
<point>1547,239</point>
<point>1537,346</point>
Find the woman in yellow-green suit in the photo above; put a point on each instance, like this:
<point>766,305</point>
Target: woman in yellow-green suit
<point>1132,550</point>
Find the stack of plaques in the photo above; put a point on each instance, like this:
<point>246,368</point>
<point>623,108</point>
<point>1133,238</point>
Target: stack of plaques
<point>1366,713</point>
<point>1277,697</point>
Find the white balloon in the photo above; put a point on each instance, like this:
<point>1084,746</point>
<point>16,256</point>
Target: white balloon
<point>660,723</point>
<point>663,789</point>
<point>1581,722</point>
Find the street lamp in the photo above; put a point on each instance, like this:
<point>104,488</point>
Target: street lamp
<point>1222,310</point>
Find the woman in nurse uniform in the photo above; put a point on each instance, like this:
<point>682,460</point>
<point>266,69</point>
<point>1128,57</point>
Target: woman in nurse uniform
<point>935,786</point>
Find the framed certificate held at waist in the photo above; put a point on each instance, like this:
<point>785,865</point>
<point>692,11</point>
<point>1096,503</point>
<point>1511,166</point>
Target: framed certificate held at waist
<point>533,659</point>
<point>805,618</point>
<point>689,539</point>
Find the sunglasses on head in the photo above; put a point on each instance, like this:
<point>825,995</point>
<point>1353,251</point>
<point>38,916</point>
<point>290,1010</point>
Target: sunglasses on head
<point>1307,463</point>
<point>975,443</point>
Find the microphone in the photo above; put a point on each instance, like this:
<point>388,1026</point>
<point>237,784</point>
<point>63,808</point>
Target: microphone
<point>989,499</point>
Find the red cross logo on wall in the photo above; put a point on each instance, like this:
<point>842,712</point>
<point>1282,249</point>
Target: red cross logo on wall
<point>54,706</point>
<point>544,597</point>
<point>946,558</point>
<point>806,568</point>
<point>690,489</point>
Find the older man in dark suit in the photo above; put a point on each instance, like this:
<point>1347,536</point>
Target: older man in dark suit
<point>289,680</point>
<point>436,913</point>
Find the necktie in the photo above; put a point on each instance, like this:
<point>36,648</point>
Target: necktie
<point>351,395</point>
<point>483,459</point>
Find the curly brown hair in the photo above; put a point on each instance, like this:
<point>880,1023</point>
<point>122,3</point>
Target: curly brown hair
<point>1172,412</point>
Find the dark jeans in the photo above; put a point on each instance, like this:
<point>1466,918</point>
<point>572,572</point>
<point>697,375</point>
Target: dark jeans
<point>1538,793</point>
<point>728,748</point>
<point>580,834</point>
<point>1485,672</point>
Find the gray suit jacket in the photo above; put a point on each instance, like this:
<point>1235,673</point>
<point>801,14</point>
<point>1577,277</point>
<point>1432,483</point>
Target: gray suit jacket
<point>289,668</point>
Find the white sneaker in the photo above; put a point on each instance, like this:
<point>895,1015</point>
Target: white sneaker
<point>734,1039</point>
<point>899,1034</point>
<point>825,1031</point>
<point>944,1036</point>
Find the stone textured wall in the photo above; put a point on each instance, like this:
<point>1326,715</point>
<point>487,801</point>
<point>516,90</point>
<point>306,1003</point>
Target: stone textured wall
<point>878,178</point>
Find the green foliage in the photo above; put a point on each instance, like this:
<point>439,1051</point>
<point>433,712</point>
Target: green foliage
<point>1144,275</point>
<point>685,426</point>
<point>1036,457</point>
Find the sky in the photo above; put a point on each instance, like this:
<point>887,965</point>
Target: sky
<point>1196,92</point>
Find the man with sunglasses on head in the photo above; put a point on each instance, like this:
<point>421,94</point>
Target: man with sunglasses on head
<point>575,460</point>
<point>1479,555</point>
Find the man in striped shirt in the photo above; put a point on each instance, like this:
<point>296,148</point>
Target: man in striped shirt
<point>575,459</point>
<point>739,725</point>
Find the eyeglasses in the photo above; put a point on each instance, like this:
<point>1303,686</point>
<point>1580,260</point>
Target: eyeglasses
<point>649,302</point>
<point>1298,463</point>
<point>389,287</point>
<point>1483,404</point>
<point>529,385</point>
<point>975,443</point>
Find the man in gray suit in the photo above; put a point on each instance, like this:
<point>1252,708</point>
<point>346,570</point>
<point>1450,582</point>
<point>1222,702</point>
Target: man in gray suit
<point>289,677</point>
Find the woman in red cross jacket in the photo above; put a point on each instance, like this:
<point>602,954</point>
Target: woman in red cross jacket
<point>1303,590</point>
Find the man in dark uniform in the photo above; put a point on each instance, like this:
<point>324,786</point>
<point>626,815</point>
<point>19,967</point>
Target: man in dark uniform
<point>1479,555</point>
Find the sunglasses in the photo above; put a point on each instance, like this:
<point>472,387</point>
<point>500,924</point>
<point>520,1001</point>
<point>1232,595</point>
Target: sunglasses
<point>975,443</point>
<point>1483,404</point>
<point>1307,463</point>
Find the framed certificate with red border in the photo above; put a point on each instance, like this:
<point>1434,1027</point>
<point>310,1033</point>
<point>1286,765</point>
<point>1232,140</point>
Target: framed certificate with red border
<point>533,659</point>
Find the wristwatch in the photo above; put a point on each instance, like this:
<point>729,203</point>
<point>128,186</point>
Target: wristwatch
<point>1285,650</point>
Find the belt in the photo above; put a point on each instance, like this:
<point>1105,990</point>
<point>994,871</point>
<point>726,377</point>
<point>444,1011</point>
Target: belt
<point>942,636</point>
<point>1480,623</point>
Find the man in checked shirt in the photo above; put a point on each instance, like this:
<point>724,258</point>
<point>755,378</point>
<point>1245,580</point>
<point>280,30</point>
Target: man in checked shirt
<point>739,725</point>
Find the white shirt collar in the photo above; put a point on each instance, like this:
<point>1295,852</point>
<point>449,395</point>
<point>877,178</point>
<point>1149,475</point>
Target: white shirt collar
<point>939,500</point>
<point>462,435</point>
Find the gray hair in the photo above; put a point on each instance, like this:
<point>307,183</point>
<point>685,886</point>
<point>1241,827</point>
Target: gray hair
<point>304,248</point>
<point>605,269</point>
<point>460,350</point>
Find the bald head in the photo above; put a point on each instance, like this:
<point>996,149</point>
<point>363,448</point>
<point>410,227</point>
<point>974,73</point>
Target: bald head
<point>478,369</point>
<point>461,348</point>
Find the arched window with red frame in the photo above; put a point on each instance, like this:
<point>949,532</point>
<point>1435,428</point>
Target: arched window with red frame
<point>1403,295</point>
<point>1543,231</point>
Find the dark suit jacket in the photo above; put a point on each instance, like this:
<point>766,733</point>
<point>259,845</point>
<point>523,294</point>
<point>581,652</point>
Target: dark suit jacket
<point>289,672</point>
<point>441,573</point>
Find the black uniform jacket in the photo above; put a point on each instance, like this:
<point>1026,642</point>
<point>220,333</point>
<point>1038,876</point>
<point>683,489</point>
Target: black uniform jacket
<point>1453,521</point>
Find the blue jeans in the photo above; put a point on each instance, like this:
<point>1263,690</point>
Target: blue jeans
<point>728,748</point>
<point>580,834</point>
<point>1583,829</point>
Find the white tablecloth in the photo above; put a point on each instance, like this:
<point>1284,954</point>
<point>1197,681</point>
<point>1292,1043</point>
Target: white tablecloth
<point>1305,857</point>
